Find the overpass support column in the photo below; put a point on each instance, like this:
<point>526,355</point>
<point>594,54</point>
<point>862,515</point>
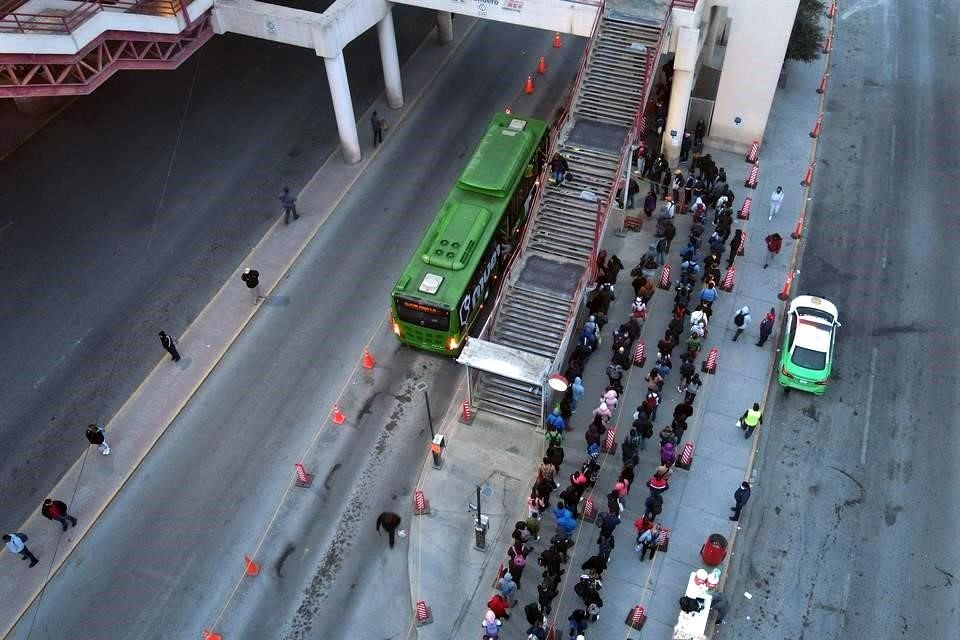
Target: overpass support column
<point>444,26</point>
<point>684,63</point>
<point>343,108</point>
<point>390,60</point>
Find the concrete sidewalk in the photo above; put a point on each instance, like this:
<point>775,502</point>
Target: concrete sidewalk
<point>455,580</point>
<point>94,480</point>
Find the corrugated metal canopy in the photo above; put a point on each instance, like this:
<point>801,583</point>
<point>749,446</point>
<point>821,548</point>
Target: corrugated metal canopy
<point>505,361</point>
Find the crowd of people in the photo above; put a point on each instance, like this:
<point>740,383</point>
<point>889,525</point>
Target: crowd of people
<point>575,485</point>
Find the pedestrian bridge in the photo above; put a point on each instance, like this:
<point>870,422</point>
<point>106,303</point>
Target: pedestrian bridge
<point>68,47</point>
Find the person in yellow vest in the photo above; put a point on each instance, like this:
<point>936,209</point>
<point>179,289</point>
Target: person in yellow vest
<point>751,419</point>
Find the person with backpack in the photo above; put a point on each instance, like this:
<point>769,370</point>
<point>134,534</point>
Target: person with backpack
<point>741,321</point>
<point>687,371</point>
<point>668,454</point>
<point>555,421</point>
<point>692,388</point>
<point>553,438</point>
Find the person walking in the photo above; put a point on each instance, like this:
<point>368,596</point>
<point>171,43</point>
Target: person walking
<point>740,497</point>
<point>57,510</point>
<point>378,124</point>
<point>751,419</point>
<point>95,435</point>
<point>776,199</point>
<point>735,243</point>
<point>559,167</point>
<point>766,326</point>
<point>774,242</point>
<point>741,321</point>
<point>251,277</point>
<point>289,203</point>
<point>170,344</point>
<point>16,543</point>
<point>389,521</point>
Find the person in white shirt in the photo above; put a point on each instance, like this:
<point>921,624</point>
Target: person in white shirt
<point>776,199</point>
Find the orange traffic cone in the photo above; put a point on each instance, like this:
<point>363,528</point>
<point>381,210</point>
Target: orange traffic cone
<point>338,417</point>
<point>542,66</point>
<point>253,568</point>
<point>528,85</point>
<point>210,635</point>
<point>556,40</point>
<point>368,361</point>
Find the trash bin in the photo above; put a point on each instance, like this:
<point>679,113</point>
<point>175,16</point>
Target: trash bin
<point>714,550</point>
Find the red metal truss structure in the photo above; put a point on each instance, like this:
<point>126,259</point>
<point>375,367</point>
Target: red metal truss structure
<point>33,74</point>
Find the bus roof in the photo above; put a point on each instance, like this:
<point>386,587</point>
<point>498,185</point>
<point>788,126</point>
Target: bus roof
<point>499,158</point>
<point>454,243</point>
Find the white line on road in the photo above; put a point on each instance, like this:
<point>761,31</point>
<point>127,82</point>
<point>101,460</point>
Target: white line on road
<point>866,421</point>
<point>60,360</point>
<point>6,226</point>
<point>883,254</point>
<point>893,143</point>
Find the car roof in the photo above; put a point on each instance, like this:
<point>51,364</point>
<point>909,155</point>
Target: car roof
<point>813,333</point>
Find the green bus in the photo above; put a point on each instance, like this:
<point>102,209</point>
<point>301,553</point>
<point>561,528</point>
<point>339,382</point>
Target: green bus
<point>457,264</point>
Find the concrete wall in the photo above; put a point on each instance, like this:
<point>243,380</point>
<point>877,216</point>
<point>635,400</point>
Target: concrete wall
<point>565,16</point>
<point>759,33</point>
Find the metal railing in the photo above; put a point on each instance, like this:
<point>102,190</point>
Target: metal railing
<point>13,21</point>
<point>545,172</point>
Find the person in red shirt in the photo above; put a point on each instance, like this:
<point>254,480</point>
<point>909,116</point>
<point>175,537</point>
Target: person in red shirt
<point>57,510</point>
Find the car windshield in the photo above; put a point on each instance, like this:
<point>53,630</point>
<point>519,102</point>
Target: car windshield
<point>809,359</point>
<point>816,313</point>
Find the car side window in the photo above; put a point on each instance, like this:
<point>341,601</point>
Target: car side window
<point>793,329</point>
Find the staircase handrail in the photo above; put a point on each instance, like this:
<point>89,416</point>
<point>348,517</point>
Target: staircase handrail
<point>604,206</point>
<point>543,180</point>
<point>14,22</point>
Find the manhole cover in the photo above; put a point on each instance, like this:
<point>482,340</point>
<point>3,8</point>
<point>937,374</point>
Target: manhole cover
<point>486,490</point>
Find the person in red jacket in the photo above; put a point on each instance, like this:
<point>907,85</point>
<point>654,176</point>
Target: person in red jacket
<point>499,605</point>
<point>57,510</point>
<point>774,242</point>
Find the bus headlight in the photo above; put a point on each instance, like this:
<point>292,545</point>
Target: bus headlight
<point>453,344</point>
<point>396,328</point>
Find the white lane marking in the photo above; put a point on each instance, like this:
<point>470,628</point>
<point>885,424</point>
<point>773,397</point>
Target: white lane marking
<point>893,143</point>
<point>60,360</point>
<point>846,592</point>
<point>883,254</point>
<point>866,421</point>
<point>6,226</point>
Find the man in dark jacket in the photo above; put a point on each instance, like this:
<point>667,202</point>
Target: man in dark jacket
<point>170,345</point>
<point>57,510</point>
<point>390,521</point>
<point>740,497</point>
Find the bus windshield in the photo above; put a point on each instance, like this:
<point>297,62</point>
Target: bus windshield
<point>422,314</point>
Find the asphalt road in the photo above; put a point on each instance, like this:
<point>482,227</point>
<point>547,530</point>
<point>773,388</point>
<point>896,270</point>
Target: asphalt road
<point>163,559</point>
<point>129,211</point>
<point>852,527</point>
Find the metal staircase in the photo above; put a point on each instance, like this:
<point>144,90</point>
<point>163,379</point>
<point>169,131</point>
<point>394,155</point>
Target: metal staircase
<point>543,284</point>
